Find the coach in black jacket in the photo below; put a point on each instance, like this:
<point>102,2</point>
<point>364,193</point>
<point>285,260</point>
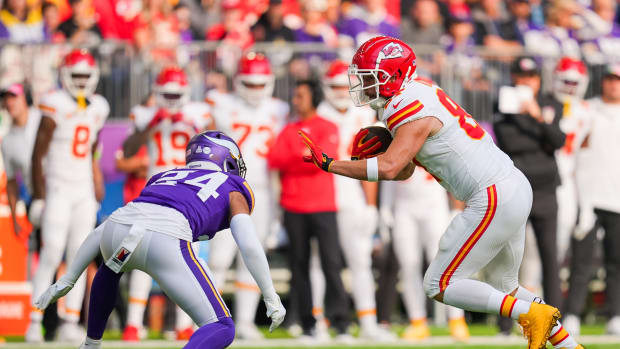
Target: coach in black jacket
<point>531,139</point>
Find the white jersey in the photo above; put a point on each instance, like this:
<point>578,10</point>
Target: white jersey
<point>462,156</point>
<point>167,140</point>
<point>575,123</point>
<point>253,128</point>
<point>348,190</point>
<point>69,158</point>
<point>17,148</point>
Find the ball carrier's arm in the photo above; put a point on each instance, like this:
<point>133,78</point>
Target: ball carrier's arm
<point>395,164</point>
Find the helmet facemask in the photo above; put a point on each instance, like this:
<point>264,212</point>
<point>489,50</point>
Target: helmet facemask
<point>364,86</point>
<point>80,79</point>
<point>171,96</point>
<point>254,88</point>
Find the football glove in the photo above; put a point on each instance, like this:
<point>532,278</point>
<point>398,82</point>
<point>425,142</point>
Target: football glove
<point>275,311</point>
<point>51,295</point>
<point>364,149</point>
<point>320,159</point>
<point>35,213</point>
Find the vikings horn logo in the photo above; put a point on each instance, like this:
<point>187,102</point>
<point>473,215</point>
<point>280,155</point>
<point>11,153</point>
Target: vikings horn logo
<point>391,50</point>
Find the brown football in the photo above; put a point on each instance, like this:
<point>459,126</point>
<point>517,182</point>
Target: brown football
<point>384,137</point>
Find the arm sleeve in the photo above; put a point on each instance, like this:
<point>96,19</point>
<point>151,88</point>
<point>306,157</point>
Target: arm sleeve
<point>245,236</point>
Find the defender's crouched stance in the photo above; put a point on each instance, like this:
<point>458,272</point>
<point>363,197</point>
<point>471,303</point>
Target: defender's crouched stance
<point>154,232</point>
<point>432,131</point>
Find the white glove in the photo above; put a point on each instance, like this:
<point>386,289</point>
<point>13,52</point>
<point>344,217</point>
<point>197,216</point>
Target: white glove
<point>275,311</point>
<point>36,212</point>
<point>51,295</point>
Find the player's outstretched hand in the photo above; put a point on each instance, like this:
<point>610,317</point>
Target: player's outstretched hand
<point>51,295</point>
<point>317,156</point>
<point>275,311</point>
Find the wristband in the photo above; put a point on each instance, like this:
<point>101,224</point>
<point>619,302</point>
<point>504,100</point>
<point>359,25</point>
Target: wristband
<point>372,169</point>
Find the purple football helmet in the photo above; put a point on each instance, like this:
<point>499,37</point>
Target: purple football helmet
<point>211,148</point>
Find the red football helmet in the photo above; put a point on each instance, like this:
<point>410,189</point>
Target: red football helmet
<point>79,73</point>
<point>171,89</point>
<point>379,68</point>
<point>336,85</point>
<point>570,79</point>
<point>254,81</point>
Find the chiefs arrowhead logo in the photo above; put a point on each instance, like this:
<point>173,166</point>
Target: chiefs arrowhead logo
<point>389,51</point>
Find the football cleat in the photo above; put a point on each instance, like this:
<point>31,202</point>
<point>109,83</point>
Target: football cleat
<point>185,334</point>
<point>131,334</point>
<point>248,331</point>
<point>71,333</point>
<point>459,330</point>
<point>34,334</point>
<point>537,324</point>
<point>417,331</point>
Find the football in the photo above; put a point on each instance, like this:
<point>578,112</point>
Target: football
<point>372,150</point>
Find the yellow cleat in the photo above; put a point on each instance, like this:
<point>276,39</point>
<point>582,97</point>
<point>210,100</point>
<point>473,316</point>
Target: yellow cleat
<point>537,324</point>
<point>579,346</point>
<point>417,331</point>
<point>459,330</point>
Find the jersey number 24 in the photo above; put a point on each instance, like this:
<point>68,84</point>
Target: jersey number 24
<point>207,183</point>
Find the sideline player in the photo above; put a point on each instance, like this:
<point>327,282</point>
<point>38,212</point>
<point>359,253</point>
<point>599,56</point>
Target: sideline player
<point>166,129</point>
<point>154,233</point>
<point>357,206</point>
<point>421,212</point>
<point>68,184</point>
<point>432,131</point>
<point>570,82</point>
<point>253,118</point>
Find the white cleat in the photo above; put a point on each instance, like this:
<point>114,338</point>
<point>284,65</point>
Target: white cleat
<point>345,339</point>
<point>34,334</point>
<point>572,324</point>
<point>71,333</point>
<point>321,331</point>
<point>248,331</point>
<point>613,326</point>
<point>377,334</point>
<point>91,344</point>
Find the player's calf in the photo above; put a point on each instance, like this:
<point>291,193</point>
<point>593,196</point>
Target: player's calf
<point>216,335</point>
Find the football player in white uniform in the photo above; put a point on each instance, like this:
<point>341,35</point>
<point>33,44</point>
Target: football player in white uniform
<point>434,132</point>
<point>570,82</point>
<point>357,205</point>
<point>165,129</point>
<point>421,212</point>
<point>253,118</point>
<point>67,185</point>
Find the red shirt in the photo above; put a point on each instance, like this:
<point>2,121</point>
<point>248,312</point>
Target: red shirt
<point>305,187</point>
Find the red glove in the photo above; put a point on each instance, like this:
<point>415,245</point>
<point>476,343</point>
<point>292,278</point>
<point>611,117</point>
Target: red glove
<point>364,149</point>
<point>320,159</point>
<point>160,116</point>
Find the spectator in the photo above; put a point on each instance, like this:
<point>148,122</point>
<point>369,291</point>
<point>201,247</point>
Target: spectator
<point>18,143</point>
<point>423,26</point>
<point>316,29</point>
<point>530,135</point>
<point>494,28</point>
<point>21,24</point>
<point>602,34</point>
<point>521,11</point>
<point>183,16</point>
<point>557,38</point>
<point>597,179</point>
<point>205,13</point>
<point>368,21</point>
<point>118,19</point>
<point>309,203</point>
<point>81,28</point>
<point>459,46</point>
<point>458,8</point>
<point>233,29</point>
<point>158,30</point>
<point>270,26</point>
<point>51,20</point>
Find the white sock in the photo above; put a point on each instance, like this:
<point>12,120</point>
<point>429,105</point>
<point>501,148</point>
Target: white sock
<point>139,289</point>
<point>559,337</point>
<point>477,296</point>
<point>247,297</point>
<point>90,343</point>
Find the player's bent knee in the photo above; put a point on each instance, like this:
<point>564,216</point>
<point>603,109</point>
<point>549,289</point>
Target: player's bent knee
<point>216,335</point>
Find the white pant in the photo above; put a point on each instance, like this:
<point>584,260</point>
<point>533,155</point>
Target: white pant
<point>489,233</point>
<point>567,214</point>
<point>69,216</point>
<point>176,267</point>
<point>417,229</point>
<point>222,252</point>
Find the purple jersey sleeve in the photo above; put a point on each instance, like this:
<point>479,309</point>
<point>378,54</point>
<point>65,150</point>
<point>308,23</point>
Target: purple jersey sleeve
<point>202,196</point>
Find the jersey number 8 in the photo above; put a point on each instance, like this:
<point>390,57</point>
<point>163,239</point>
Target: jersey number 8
<point>466,121</point>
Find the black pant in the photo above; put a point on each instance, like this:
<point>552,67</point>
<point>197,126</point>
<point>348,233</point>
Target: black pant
<point>582,264</point>
<point>300,229</point>
<point>386,295</point>
<point>544,220</point>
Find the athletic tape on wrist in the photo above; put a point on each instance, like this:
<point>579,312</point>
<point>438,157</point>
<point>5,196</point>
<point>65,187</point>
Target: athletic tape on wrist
<point>372,169</point>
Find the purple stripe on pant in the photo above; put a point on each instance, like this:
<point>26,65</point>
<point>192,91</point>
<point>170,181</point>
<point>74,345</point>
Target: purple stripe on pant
<point>203,279</point>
